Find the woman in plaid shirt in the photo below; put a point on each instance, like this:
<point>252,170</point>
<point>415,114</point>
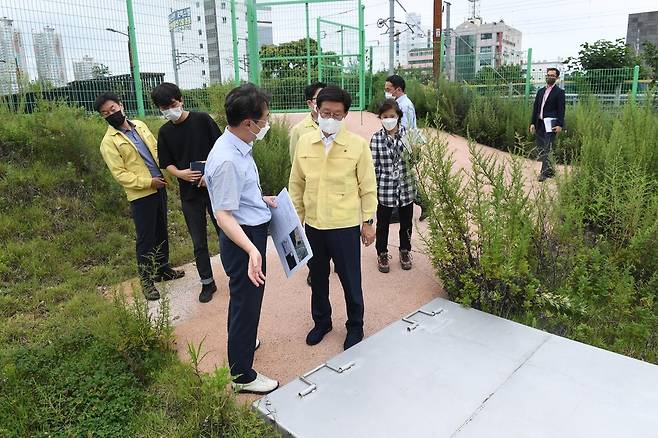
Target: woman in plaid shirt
<point>395,183</point>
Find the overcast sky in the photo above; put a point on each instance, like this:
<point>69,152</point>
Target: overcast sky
<point>552,28</point>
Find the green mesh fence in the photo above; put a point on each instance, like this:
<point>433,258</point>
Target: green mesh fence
<point>313,41</point>
<point>72,50</point>
<point>75,49</point>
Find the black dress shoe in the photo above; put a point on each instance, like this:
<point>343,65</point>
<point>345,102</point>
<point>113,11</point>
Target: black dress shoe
<point>353,337</point>
<point>316,334</point>
<point>150,292</point>
<point>168,274</point>
<point>207,290</point>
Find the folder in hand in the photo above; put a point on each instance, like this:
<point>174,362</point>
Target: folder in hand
<point>198,166</point>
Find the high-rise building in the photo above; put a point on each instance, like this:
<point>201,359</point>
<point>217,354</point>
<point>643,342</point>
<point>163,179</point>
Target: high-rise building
<point>13,67</point>
<point>642,28</point>
<point>412,37</point>
<point>84,70</point>
<point>49,54</point>
<point>265,35</point>
<point>189,40</point>
<point>220,39</point>
<point>475,45</point>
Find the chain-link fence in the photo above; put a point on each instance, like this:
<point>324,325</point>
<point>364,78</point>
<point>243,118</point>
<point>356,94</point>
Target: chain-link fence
<point>488,74</point>
<point>74,50</point>
<point>321,41</point>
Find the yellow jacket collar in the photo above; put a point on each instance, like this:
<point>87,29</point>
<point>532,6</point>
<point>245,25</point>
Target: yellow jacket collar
<point>342,137</point>
<point>111,130</point>
<point>309,122</point>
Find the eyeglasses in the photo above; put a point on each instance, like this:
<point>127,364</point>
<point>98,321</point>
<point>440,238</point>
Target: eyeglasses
<point>266,119</point>
<point>330,115</point>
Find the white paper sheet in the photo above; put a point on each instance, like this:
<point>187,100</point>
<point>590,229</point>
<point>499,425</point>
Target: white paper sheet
<point>548,124</point>
<point>288,235</point>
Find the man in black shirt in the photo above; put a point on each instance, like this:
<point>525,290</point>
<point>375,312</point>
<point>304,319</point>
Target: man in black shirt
<point>184,143</point>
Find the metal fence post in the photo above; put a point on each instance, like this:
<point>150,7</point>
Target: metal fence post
<point>636,79</point>
<point>236,56</point>
<point>528,76</point>
<point>371,78</point>
<point>252,32</point>
<point>139,97</point>
<point>319,50</point>
<point>308,47</point>
<point>362,54</point>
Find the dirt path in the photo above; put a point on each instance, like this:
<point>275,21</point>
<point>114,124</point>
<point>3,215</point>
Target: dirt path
<point>286,318</point>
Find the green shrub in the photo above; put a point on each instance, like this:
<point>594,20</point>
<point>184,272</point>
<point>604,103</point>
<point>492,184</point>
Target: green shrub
<point>72,362</point>
<point>453,104</point>
<point>272,158</point>
<point>481,231</point>
<point>581,260</point>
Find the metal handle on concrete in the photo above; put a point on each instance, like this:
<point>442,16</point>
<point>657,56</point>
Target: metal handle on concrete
<point>413,325</point>
<point>312,386</point>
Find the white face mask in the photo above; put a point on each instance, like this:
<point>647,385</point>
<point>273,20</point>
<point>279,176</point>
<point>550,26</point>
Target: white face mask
<point>388,95</point>
<point>173,114</point>
<point>390,123</point>
<point>329,125</point>
<point>262,133</point>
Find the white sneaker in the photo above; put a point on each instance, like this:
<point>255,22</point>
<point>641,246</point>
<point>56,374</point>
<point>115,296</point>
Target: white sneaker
<point>257,344</point>
<point>260,385</point>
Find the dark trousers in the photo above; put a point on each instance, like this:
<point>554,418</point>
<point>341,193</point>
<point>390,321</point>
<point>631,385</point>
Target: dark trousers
<point>245,302</point>
<point>194,211</point>
<point>343,245</point>
<point>384,222</point>
<point>544,142</point>
<point>152,244</point>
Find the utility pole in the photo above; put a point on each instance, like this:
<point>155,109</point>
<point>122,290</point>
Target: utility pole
<point>447,35</point>
<point>174,57</point>
<point>391,37</point>
<point>436,37</point>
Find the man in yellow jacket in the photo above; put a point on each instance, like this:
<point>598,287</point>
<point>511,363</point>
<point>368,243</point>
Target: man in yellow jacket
<point>333,187</point>
<point>308,124</point>
<point>130,152</point>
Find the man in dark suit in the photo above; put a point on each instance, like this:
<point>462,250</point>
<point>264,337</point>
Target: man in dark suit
<point>549,104</point>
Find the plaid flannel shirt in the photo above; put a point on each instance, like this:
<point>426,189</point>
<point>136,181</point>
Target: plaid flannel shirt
<point>393,169</point>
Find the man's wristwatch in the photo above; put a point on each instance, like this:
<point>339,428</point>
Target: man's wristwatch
<point>369,221</point>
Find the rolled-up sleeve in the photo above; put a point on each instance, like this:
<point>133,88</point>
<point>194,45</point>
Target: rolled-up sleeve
<point>225,187</point>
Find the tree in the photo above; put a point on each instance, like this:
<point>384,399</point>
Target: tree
<point>602,54</point>
<point>291,59</point>
<point>100,71</point>
<point>499,75</point>
<point>649,57</point>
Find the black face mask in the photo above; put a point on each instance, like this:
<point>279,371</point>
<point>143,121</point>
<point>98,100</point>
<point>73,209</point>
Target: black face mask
<point>116,119</point>
<point>550,80</point>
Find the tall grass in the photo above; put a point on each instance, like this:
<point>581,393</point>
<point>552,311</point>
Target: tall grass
<point>580,260</point>
<point>72,361</point>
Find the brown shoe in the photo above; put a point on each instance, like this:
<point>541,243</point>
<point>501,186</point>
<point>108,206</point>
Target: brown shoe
<point>382,262</point>
<point>405,259</point>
